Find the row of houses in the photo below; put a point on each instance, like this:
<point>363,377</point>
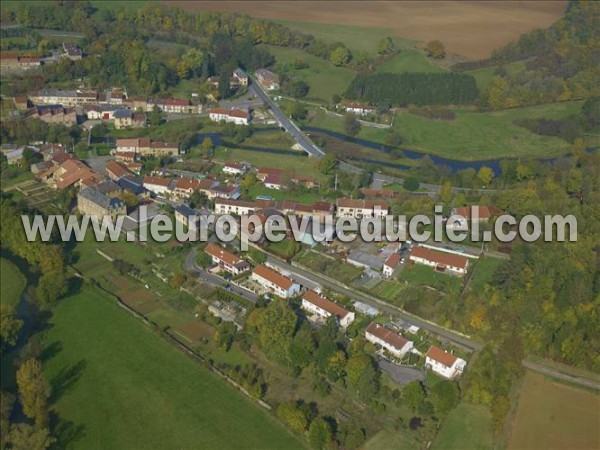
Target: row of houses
<point>145,146</point>
<point>184,187</point>
<point>438,360</point>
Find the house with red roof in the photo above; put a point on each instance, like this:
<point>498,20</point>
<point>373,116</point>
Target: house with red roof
<point>237,116</point>
<point>390,264</point>
<point>440,261</point>
<point>275,282</point>
<point>226,260</point>
<point>388,340</point>
<point>443,363</point>
<point>323,308</point>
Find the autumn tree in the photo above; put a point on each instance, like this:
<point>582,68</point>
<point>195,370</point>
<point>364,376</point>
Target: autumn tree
<point>486,175</point>
<point>207,144</point>
<point>362,376</point>
<point>203,259</point>
<point>413,395</point>
<point>444,397</point>
<point>385,46</point>
<point>320,434</point>
<point>10,325</point>
<point>34,391</point>
<point>327,164</point>
<point>27,437</point>
<point>293,416</point>
<point>435,49</point>
<point>340,56</point>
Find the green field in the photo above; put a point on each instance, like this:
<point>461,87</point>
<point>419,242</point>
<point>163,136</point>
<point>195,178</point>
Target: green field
<point>472,135</point>
<point>324,78</point>
<point>485,75</point>
<point>389,439</point>
<point>466,427</point>
<point>409,60</point>
<point>420,275</point>
<point>555,415</point>
<point>12,283</point>
<point>119,386</point>
<point>333,268</point>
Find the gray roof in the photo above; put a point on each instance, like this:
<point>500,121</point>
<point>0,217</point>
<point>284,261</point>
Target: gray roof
<point>107,186</point>
<point>186,211</point>
<point>100,199</point>
<point>132,183</point>
<point>122,113</point>
<point>57,93</point>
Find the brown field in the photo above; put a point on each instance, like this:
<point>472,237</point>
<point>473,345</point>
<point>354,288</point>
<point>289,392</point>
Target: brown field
<point>196,330</point>
<point>555,416</point>
<point>135,296</point>
<point>471,29</point>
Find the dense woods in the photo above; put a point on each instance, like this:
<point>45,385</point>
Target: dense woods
<point>414,89</point>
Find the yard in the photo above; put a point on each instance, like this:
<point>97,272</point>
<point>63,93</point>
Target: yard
<point>466,427</point>
<point>331,267</point>
<point>555,415</point>
<point>420,275</point>
<point>12,283</point>
<point>117,385</point>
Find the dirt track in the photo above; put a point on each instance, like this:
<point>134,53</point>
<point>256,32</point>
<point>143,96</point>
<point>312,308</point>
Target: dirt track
<point>472,29</point>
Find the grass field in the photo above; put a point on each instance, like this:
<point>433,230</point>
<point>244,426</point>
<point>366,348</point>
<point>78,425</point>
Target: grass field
<point>390,439</point>
<point>419,275</point>
<point>388,290</point>
<point>485,75</point>
<point>555,415</point>
<point>409,60</point>
<point>12,283</point>
<point>324,78</point>
<point>334,268</point>
<point>472,135</point>
<point>466,427</point>
<point>119,386</point>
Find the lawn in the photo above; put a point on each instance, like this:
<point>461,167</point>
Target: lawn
<point>555,415</point>
<point>390,439</point>
<point>483,271</point>
<point>409,60</point>
<point>485,75</point>
<point>117,385</point>
<point>12,283</point>
<point>466,427</point>
<point>420,275</point>
<point>473,135</point>
<point>309,196</point>
<point>388,290</point>
<point>324,78</point>
<point>333,268</point>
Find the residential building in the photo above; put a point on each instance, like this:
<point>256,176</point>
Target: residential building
<point>72,51</point>
<point>359,208</point>
<point>125,156</point>
<point>125,118</point>
<point>218,190</point>
<point>158,185</point>
<point>388,340</point>
<point>144,146</point>
<point>234,168</point>
<point>239,207</point>
<point>240,77</point>
<point>443,363</point>
<point>267,79</point>
<point>440,261</point>
<point>160,149</point>
<point>360,109</point>
<point>236,116</point>
<point>53,114</point>
<point>476,212</point>
<point>116,170</point>
<point>275,282</point>
<point>65,97</point>
<point>186,215</point>
<point>390,264</point>
<point>185,186</point>
<point>94,203</point>
<point>325,308</point>
<point>71,172</point>
<point>173,105</point>
<point>21,103</point>
<point>133,184</point>
<point>226,260</point>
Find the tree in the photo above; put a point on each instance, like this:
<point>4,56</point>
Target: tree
<point>296,111</point>
<point>340,56</point>
<point>207,144</point>
<point>444,397</point>
<point>411,184</point>
<point>203,259</point>
<point>51,287</point>
<point>486,175</point>
<point>7,403</point>
<point>320,434</point>
<point>351,124</point>
<point>155,116</point>
<point>293,417</point>
<point>385,46</point>
<point>10,325</point>
<point>26,437</point>
<point>393,139</point>
<point>435,49</point>
<point>327,163</point>
<point>362,376</point>
<point>199,199</point>
<point>413,395</point>
<point>500,408</point>
<point>34,391</point>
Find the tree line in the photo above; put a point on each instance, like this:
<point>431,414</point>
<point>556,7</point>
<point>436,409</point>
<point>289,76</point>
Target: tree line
<point>413,89</point>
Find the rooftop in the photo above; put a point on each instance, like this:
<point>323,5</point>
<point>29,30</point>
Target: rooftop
<point>386,335</point>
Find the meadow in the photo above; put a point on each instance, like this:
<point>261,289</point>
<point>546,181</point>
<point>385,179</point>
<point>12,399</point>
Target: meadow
<point>12,283</point>
<point>472,135</point>
<point>117,385</point>
<point>467,426</point>
<point>555,415</point>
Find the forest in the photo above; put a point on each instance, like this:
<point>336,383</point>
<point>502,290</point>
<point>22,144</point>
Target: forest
<point>414,89</point>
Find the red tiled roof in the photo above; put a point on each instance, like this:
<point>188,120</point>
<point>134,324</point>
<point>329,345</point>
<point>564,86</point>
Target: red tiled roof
<point>326,304</point>
<point>224,255</point>
<point>360,203</point>
<point>392,260</point>
<point>172,102</point>
<point>117,169</point>
<point>238,113</point>
<point>186,183</point>
<point>485,212</point>
<point>159,181</point>
<point>441,356</point>
<point>443,258</point>
<point>163,145</point>
<point>394,339</point>
<point>272,276</point>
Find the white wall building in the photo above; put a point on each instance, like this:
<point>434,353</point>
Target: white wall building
<point>325,308</point>
<point>443,363</point>
<point>387,339</point>
<point>275,282</point>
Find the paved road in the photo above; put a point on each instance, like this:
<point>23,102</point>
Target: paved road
<point>190,265</point>
<point>556,373</point>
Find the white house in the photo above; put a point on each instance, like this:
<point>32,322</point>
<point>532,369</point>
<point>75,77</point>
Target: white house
<point>236,116</point>
<point>390,264</point>
<point>230,206</point>
<point>325,308</point>
<point>226,260</point>
<point>440,261</point>
<point>388,340</point>
<point>358,208</point>
<point>443,363</point>
<point>234,168</point>
<point>275,282</point>
<point>158,185</point>
<point>360,109</point>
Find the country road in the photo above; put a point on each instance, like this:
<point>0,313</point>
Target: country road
<point>457,338</point>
